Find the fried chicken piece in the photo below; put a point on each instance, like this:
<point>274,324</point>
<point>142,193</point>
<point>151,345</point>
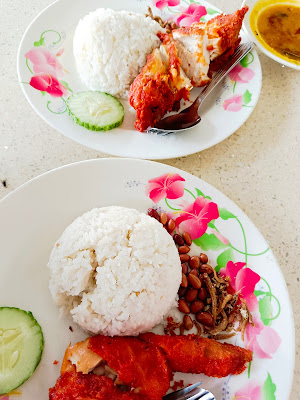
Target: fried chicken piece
<point>195,355</point>
<point>159,87</point>
<point>223,32</point>
<point>78,386</point>
<point>139,364</point>
<point>203,43</point>
<point>191,43</point>
<point>82,357</point>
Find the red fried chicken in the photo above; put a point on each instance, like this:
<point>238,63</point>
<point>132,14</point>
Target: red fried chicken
<point>139,368</point>
<point>159,87</point>
<point>223,32</point>
<point>196,355</point>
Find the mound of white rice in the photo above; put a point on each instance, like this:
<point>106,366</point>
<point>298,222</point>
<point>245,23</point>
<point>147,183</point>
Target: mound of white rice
<point>111,47</point>
<point>116,270</point>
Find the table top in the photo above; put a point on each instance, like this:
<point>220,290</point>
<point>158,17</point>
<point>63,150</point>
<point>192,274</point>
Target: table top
<point>258,167</point>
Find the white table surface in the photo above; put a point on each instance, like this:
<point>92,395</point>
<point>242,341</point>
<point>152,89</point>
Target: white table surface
<point>258,167</point>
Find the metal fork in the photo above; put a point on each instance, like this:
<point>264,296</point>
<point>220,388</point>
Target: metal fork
<point>190,117</point>
<point>193,392</point>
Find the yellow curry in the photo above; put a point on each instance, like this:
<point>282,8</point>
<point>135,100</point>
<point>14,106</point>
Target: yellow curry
<point>277,27</point>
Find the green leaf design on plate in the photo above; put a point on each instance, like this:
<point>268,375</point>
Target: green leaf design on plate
<point>41,42</point>
<point>223,259</point>
<point>268,389</point>
<point>43,93</point>
<point>266,309</point>
<point>211,224</point>
<point>66,86</point>
<point>209,242</point>
<point>258,293</point>
<point>225,214</point>
<point>199,193</point>
<point>211,11</point>
<point>246,61</point>
<point>247,96</point>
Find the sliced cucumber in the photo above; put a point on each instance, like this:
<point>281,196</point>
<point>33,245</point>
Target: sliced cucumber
<point>21,347</point>
<point>96,111</point>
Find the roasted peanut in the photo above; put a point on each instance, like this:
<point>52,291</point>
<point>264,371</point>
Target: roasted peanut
<point>182,291</point>
<point>185,268</point>
<point>187,322</point>
<point>171,225</point>
<point>163,218</point>
<point>184,257</point>
<point>203,258</point>
<point>197,306</point>
<point>194,272</point>
<point>178,239</point>
<point>187,238</point>
<point>202,294</point>
<point>205,318</point>
<point>153,213</point>
<point>194,281</point>
<point>183,307</point>
<point>191,295</point>
<point>205,268</point>
<point>194,262</point>
<point>183,249</point>
<point>184,281</point>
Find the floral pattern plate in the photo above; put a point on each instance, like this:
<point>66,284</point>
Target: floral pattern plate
<point>35,215</point>
<point>47,73</point>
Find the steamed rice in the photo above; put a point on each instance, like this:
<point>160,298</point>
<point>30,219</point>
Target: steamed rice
<point>116,270</point>
<point>111,47</point>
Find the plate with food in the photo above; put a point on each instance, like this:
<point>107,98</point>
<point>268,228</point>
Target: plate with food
<point>274,27</point>
<point>103,72</point>
<point>132,285</point>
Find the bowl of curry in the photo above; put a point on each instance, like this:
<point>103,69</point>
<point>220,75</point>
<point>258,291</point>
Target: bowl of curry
<point>275,27</point>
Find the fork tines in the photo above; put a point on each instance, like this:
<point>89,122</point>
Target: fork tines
<point>159,132</point>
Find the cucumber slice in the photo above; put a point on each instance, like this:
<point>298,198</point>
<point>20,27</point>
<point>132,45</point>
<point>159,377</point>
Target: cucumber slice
<point>21,347</point>
<point>96,111</point>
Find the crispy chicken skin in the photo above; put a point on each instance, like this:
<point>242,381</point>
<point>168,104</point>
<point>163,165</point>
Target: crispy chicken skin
<point>159,87</point>
<point>223,32</point>
<point>143,365</point>
<point>78,386</point>
<point>196,355</point>
<point>139,364</point>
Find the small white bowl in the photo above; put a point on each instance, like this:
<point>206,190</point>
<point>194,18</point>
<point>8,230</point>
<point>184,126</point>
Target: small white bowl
<point>252,36</point>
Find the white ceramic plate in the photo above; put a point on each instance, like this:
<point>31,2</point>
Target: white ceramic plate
<point>251,35</point>
<point>49,39</point>
<point>35,215</point>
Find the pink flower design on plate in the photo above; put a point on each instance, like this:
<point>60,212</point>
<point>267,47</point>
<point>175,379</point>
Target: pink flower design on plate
<point>234,103</point>
<point>166,3</point>
<point>251,391</point>
<point>242,280</point>
<point>241,74</point>
<point>191,14</point>
<point>49,84</point>
<point>44,62</point>
<point>168,185</point>
<point>195,217</point>
<point>261,339</point>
